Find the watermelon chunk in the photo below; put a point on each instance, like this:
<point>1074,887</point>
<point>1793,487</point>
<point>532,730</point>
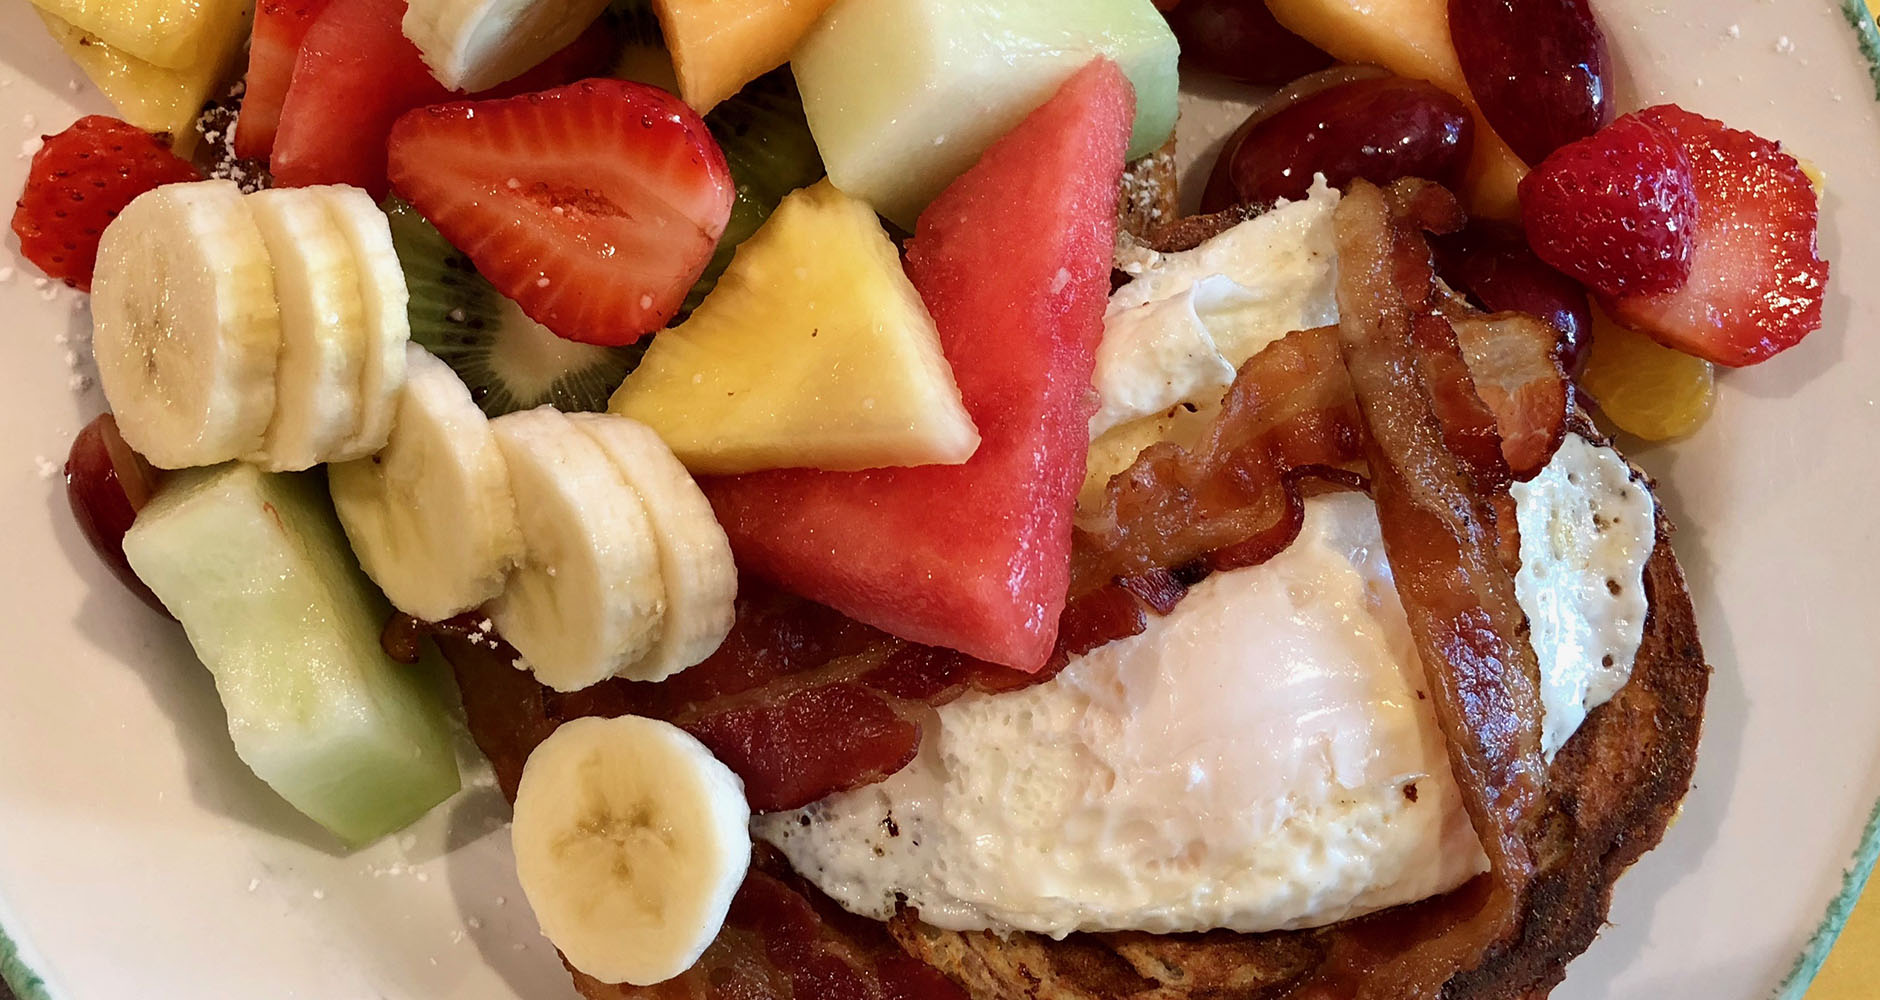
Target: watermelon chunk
<point>280,25</point>
<point>355,74</point>
<point>1013,260</point>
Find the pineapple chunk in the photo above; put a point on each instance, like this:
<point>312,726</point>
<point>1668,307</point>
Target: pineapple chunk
<point>903,95</point>
<point>1411,38</point>
<point>151,97</point>
<point>718,46</point>
<point>182,35</point>
<point>814,351</point>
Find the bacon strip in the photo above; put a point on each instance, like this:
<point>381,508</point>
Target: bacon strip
<point>1236,499</point>
<point>1437,503</point>
<point>1515,362</point>
<point>800,701</point>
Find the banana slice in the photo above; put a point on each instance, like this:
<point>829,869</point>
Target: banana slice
<point>316,385</point>
<point>185,325</point>
<point>431,517</point>
<point>587,599</point>
<point>694,554</point>
<point>387,326</point>
<point>630,841</point>
<point>477,44</point>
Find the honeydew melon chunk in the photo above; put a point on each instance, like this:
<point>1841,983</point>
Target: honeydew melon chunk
<point>904,95</point>
<point>256,568</point>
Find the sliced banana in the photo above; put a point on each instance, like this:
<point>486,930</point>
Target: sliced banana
<point>694,554</point>
<point>587,600</point>
<point>316,403</point>
<point>185,325</point>
<point>387,328</point>
<point>431,517</point>
<point>477,44</point>
<point>630,841</point>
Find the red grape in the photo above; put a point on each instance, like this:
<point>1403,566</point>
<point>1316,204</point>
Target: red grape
<point>1379,128</point>
<point>107,484</point>
<point>1492,263</point>
<point>1242,40</point>
<point>1539,70</point>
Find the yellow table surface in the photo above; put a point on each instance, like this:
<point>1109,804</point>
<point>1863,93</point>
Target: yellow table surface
<point>1853,968</point>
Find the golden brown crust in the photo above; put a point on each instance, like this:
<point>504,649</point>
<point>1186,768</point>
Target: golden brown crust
<point>1191,231</point>
<point>1148,198</point>
<point>1611,792</point>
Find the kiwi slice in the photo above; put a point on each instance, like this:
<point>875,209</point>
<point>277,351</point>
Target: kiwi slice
<point>767,143</point>
<point>643,56</point>
<point>507,360</point>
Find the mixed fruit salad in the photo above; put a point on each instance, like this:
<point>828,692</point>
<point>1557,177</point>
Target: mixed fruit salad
<point>554,326</point>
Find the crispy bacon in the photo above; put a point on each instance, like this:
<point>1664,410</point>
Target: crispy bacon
<point>800,701</point>
<point>1515,362</point>
<point>1236,499</point>
<point>1438,511</point>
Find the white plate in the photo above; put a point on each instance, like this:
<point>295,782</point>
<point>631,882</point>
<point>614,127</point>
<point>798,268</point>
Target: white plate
<point>139,858</point>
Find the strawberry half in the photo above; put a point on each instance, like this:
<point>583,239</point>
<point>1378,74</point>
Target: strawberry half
<point>280,25</point>
<point>355,74</point>
<point>595,207</point>
<point>1615,210</point>
<point>80,180</point>
<point>1757,279</point>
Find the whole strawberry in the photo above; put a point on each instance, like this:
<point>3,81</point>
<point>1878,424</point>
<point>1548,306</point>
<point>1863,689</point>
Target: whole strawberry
<point>1615,210</point>
<point>80,180</point>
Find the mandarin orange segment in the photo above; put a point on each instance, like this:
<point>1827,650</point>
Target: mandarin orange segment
<point>1644,388</point>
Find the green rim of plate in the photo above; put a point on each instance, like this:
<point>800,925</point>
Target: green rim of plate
<point>1860,16</point>
<point>1808,964</point>
<point>20,977</point>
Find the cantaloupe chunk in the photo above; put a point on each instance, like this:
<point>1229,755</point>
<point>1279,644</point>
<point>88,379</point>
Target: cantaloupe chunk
<point>718,46</point>
<point>1411,38</point>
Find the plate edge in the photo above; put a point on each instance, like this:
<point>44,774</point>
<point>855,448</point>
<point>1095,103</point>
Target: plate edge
<point>1853,881</point>
<point>17,975</point>
<point>1801,975</point>
<point>1860,16</point>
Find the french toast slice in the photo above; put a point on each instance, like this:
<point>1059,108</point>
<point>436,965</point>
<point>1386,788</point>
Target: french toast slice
<point>1611,792</point>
